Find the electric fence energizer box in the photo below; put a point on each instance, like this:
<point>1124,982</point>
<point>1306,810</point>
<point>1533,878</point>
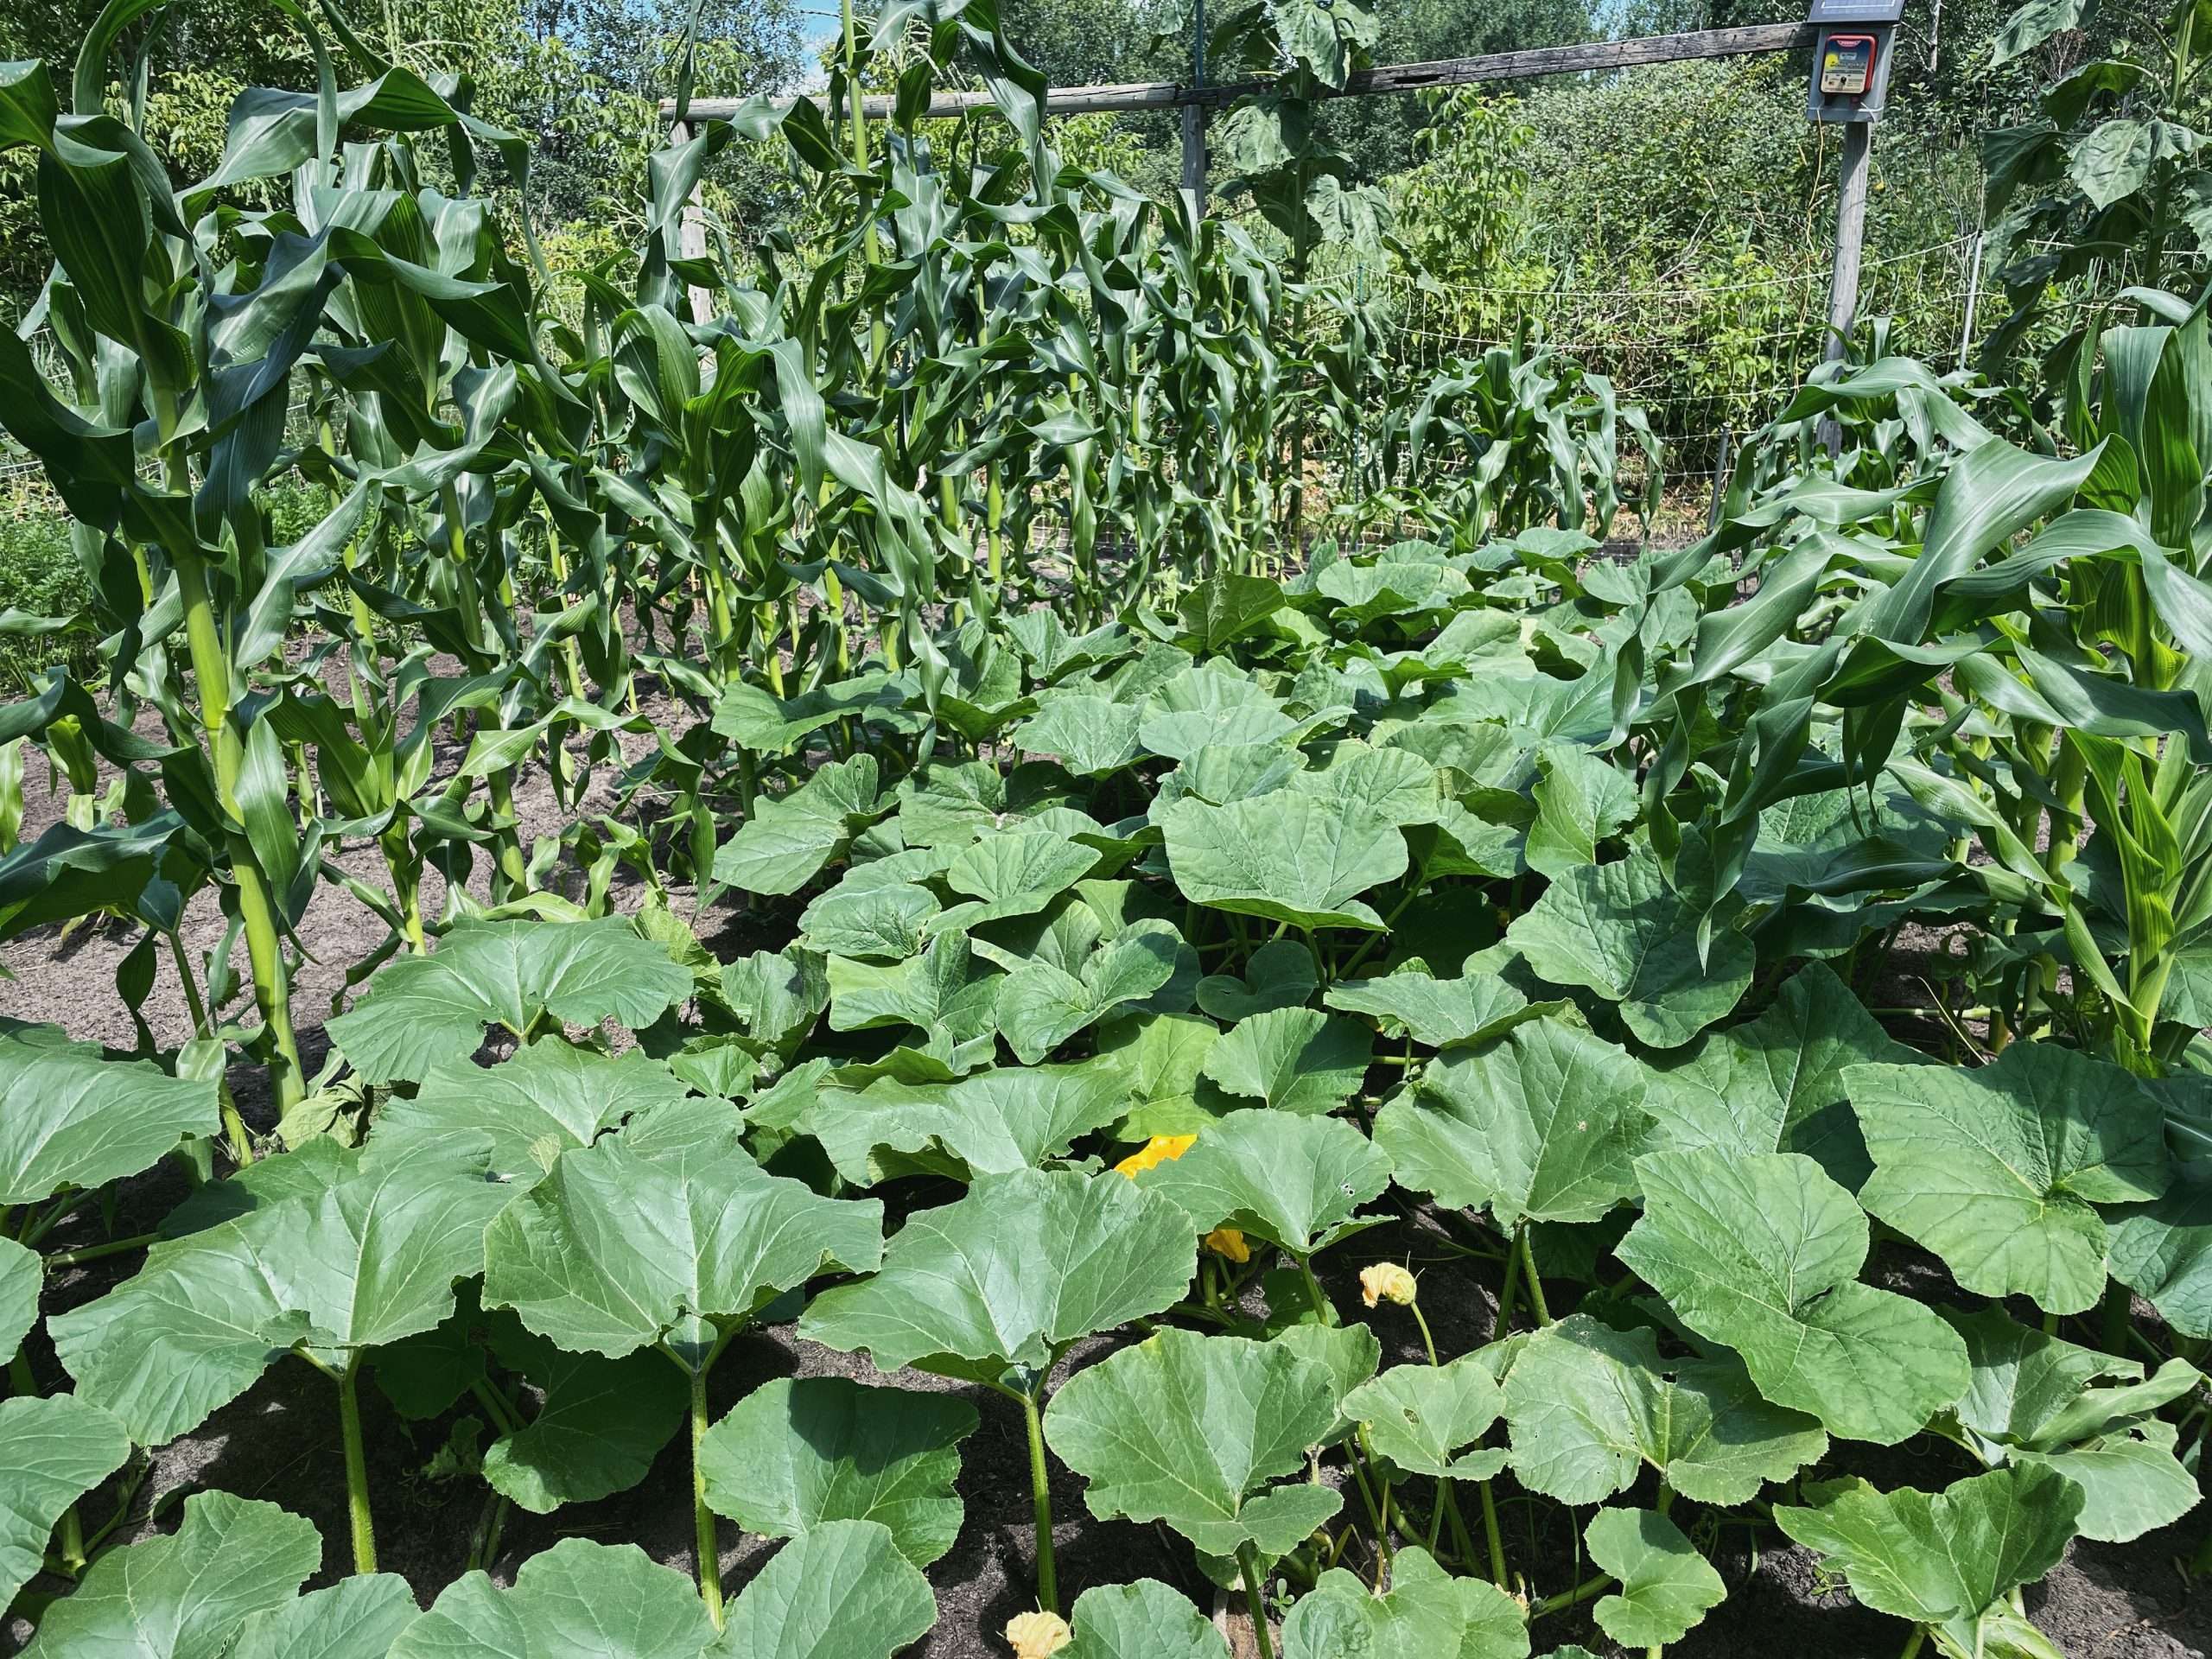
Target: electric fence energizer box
<point>1851,59</point>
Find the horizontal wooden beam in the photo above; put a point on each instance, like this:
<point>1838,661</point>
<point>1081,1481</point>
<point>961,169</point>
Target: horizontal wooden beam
<point>1588,57</point>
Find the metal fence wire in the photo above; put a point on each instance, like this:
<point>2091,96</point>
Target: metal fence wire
<point>1709,362</point>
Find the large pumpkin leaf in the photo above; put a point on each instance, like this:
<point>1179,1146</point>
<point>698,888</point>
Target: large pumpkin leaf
<point>1190,1430</point>
<point>1775,1083</point>
<point>1161,1057</point>
<point>1349,1353</point>
<point>1618,930</point>
<point>1293,1060</point>
<point>608,1600</point>
<point>21,1275</point>
<point>839,1591</point>
<point>2035,1398</point>
<point>191,1332</point>
<point>1210,706</point>
<point>1543,1123</point>
<point>1289,857</point>
<point>1144,1620</point>
<point>184,1596</point>
<point>1580,801</point>
<point>1419,1416</point>
<point>1590,1406</point>
<point>1436,1013</point>
<point>795,1454</point>
<point>943,992</point>
<point>771,726</point>
<point>363,1254</point>
<point>788,841</point>
<point>69,1118</point>
<point>1665,1587</point>
<point>423,1012</point>
<point>1016,873</point>
<point>1278,975</point>
<point>547,1097</point>
<point>1762,1251</point>
<point>869,918</point>
<point>1425,1612</point>
<point>1092,735</point>
<point>374,1258</point>
<point>358,1617</point>
<point>1041,1006</point>
<point>2163,1251</point>
<point>1007,1118</point>
<point>59,1448</point>
<point>598,1427</point>
<point>1294,1181</point>
<point>642,1239</point>
<point>1011,1273</point>
<point>777,995</point>
<point>1998,1170</point>
<point>1945,1559</point>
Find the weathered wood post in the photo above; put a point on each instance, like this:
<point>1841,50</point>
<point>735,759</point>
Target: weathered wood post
<point>1851,80</point>
<point>691,234</point>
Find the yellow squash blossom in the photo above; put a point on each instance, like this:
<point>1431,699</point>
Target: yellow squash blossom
<point>1156,1151</point>
<point>1386,1281</point>
<point>1227,1241</point>
<point>1038,1636</point>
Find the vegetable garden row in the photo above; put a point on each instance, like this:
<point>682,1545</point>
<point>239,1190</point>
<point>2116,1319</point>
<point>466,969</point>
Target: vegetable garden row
<point>1322,835</point>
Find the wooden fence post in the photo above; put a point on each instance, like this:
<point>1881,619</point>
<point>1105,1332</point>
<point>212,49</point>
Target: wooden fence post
<point>691,234</point>
<point>1850,238</point>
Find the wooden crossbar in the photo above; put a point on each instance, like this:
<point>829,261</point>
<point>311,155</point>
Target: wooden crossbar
<point>1582,58</point>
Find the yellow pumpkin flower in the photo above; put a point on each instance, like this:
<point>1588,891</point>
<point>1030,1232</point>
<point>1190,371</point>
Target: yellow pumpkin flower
<point>1386,1281</point>
<point>1158,1150</point>
<point>1038,1636</point>
<point>1227,1241</point>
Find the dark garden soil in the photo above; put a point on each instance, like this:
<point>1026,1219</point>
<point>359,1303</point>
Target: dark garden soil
<point>280,1441</point>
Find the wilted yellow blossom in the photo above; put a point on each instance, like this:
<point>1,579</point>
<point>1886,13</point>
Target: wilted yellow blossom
<point>1037,1636</point>
<point>1227,1241</point>
<point>1386,1281</point>
<point>1158,1150</point>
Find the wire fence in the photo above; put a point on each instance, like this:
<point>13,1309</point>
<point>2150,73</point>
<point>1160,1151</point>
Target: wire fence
<point>1708,362</point>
